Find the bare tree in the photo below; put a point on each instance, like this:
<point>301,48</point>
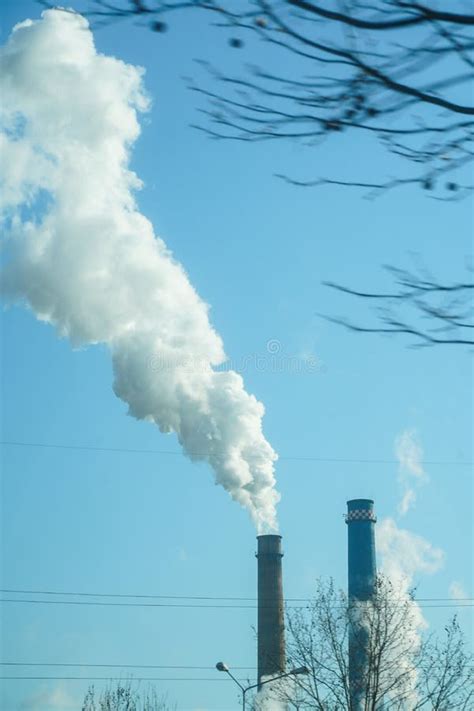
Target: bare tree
<point>403,670</point>
<point>125,697</point>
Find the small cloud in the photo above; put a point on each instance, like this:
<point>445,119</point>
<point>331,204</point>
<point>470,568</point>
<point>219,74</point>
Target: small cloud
<point>457,591</point>
<point>407,501</point>
<point>182,554</point>
<point>409,453</point>
<point>411,473</point>
<point>55,699</point>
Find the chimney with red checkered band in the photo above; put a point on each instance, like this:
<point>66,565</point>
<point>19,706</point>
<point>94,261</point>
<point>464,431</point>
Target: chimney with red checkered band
<point>362,573</point>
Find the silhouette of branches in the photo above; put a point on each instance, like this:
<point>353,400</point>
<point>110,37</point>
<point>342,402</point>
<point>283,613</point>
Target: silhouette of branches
<point>402,668</point>
<point>399,70</point>
<point>432,312</point>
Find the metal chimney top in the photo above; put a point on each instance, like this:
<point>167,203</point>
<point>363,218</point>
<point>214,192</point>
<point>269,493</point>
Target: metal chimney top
<point>269,544</point>
<point>360,504</point>
<point>360,510</point>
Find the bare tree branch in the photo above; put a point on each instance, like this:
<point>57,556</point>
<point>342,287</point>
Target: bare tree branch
<point>423,13</point>
<point>430,320</point>
<point>381,68</point>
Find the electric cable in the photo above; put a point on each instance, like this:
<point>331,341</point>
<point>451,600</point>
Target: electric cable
<point>100,603</point>
<point>309,458</point>
<point>68,593</point>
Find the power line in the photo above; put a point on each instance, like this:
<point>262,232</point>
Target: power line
<point>135,678</point>
<point>309,458</point>
<point>115,678</point>
<point>121,666</point>
<point>100,603</point>
<point>130,604</point>
<point>11,591</point>
<point>117,666</point>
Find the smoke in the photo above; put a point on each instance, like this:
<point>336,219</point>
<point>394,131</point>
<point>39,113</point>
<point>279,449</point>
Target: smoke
<point>457,591</point>
<point>52,699</point>
<point>82,257</point>
<point>409,453</point>
<point>403,556</point>
<point>270,696</point>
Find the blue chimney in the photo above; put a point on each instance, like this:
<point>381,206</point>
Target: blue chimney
<point>362,568</point>
<point>362,574</point>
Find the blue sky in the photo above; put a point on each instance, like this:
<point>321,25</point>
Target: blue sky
<point>143,522</point>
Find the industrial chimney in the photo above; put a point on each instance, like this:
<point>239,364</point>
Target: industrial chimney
<point>362,569</point>
<point>362,573</point>
<point>270,629</point>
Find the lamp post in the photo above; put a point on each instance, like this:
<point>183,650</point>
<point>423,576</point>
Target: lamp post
<point>220,666</point>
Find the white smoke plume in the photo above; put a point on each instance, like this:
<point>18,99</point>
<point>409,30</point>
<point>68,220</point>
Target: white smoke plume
<point>404,555</point>
<point>81,256</point>
<point>411,475</point>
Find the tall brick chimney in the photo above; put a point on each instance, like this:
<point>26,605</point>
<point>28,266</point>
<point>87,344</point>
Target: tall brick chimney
<point>271,629</point>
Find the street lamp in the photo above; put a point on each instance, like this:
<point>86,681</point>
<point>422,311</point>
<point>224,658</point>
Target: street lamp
<point>222,667</point>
